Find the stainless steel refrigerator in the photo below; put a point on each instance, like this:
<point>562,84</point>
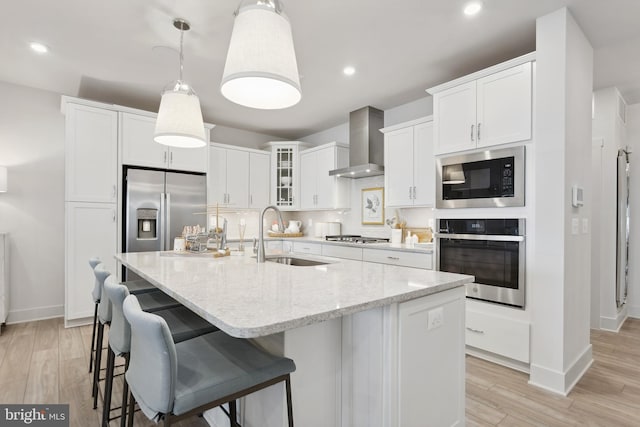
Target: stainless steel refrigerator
<point>157,206</point>
<point>622,226</point>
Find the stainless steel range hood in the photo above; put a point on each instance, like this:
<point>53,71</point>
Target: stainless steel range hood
<point>366,144</point>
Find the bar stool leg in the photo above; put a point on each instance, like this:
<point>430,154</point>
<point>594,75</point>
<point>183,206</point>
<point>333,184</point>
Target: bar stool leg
<point>233,413</point>
<point>131,411</point>
<point>96,367</point>
<point>108,386</point>
<point>93,337</point>
<point>125,393</point>
<point>287,384</point>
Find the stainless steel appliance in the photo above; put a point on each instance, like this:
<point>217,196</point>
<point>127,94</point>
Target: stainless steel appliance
<point>157,205</point>
<point>352,238</point>
<point>622,229</point>
<point>493,178</point>
<point>492,250</point>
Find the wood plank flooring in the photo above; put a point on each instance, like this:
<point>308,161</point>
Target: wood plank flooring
<point>42,362</point>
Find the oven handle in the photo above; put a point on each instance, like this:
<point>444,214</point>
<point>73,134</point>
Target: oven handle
<point>491,237</point>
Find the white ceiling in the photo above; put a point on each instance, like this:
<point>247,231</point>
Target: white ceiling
<point>124,51</point>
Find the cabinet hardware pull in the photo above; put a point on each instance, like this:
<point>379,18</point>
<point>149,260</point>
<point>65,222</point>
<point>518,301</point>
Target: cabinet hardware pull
<point>414,192</point>
<point>410,197</point>
<point>472,126</point>
<point>479,124</point>
<point>113,191</point>
<point>113,215</point>
<point>251,199</point>
<point>171,157</point>
<point>164,159</point>
<point>477,331</point>
<point>395,258</point>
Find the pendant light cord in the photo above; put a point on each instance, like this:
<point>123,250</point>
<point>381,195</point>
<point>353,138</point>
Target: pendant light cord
<point>181,57</point>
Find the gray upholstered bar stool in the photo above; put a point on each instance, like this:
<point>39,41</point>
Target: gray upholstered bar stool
<point>150,301</point>
<point>183,324</point>
<point>135,287</point>
<point>174,381</point>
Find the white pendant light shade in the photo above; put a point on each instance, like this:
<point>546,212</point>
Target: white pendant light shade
<point>179,122</point>
<point>3,179</point>
<point>261,69</point>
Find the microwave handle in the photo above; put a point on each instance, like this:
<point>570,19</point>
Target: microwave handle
<point>492,237</point>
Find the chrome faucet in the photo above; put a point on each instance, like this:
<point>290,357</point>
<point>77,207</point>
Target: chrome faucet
<point>260,257</point>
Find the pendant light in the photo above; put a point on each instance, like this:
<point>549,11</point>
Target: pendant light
<point>179,122</point>
<point>261,69</point>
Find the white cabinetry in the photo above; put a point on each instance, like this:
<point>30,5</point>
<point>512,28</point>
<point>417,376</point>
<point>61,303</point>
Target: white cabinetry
<point>492,108</point>
<point>285,171</point>
<point>405,259</point>
<point>307,248</point>
<point>503,336</point>
<point>91,154</point>
<point>409,164</point>
<point>90,231</point>
<point>318,190</point>
<point>238,177</point>
<point>346,252</point>
<point>4,278</point>
<point>139,148</point>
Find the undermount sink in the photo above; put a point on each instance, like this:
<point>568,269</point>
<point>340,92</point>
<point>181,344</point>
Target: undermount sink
<point>299,262</point>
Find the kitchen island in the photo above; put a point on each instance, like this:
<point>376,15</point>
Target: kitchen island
<point>374,344</point>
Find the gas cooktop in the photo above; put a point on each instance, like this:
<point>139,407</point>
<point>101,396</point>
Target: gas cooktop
<point>355,239</point>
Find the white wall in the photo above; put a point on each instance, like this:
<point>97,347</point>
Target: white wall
<point>240,137</point>
<point>560,348</point>
<point>633,139</point>
<point>32,211</point>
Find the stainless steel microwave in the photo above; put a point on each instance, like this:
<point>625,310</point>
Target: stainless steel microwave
<point>492,178</point>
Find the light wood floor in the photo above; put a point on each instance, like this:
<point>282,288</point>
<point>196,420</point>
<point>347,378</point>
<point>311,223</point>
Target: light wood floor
<point>42,362</point>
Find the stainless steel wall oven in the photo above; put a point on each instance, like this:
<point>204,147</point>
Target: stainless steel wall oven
<point>493,250</point>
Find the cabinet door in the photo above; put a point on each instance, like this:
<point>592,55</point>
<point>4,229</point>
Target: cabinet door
<point>238,178</point>
<point>217,176</point>
<point>5,286</point>
<point>188,159</point>
<point>259,183</point>
<point>138,146</point>
<point>454,119</point>
<point>90,231</point>
<point>504,106</point>
<point>326,189</point>
<point>424,165</point>
<point>308,180</point>
<point>398,165</point>
<point>91,154</point>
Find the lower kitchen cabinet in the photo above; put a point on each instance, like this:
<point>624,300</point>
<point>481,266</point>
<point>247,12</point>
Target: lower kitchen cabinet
<point>345,252</point>
<point>307,248</point>
<point>90,231</point>
<point>405,259</point>
<point>503,336</point>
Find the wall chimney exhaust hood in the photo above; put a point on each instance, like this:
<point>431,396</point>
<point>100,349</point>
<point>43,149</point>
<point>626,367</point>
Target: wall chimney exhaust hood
<point>366,144</point>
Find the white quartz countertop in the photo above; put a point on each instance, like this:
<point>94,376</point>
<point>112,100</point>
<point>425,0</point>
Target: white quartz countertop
<point>246,299</point>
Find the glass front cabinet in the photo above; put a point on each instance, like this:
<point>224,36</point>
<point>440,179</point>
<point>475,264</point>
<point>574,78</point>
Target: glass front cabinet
<point>285,173</point>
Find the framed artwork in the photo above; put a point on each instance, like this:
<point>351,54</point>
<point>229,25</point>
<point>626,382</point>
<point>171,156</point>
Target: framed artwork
<point>373,206</point>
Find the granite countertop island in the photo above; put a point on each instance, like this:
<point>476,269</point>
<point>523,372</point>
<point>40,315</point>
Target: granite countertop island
<point>374,345</point>
<point>246,299</point>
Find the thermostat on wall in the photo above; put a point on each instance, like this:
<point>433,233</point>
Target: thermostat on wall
<point>577,197</point>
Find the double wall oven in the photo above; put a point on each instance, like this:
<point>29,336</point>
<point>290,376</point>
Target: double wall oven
<point>492,250</point>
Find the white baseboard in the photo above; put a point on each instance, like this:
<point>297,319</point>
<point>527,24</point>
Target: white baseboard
<point>634,311</point>
<point>561,382</point>
<point>614,324</point>
<point>32,314</point>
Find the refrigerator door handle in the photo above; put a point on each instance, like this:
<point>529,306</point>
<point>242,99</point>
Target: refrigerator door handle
<point>163,226</point>
<point>167,243</point>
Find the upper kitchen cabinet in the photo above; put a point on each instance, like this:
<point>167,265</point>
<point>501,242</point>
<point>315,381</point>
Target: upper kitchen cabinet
<point>139,148</point>
<point>91,154</point>
<point>487,108</point>
<point>238,177</point>
<point>409,164</point>
<point>318,190</point>
<point>285,173</point>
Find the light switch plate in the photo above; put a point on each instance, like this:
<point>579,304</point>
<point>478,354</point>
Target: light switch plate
<point>585,225</point>
<point>575,224</point>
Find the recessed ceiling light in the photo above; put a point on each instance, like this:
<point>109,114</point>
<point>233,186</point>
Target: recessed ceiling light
<point>38,47</point>
<point>472,8</point>
<point>349,71</point>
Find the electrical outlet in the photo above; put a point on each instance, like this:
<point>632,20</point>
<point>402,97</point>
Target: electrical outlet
<point>435,318</point>
<point>574,225</point>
